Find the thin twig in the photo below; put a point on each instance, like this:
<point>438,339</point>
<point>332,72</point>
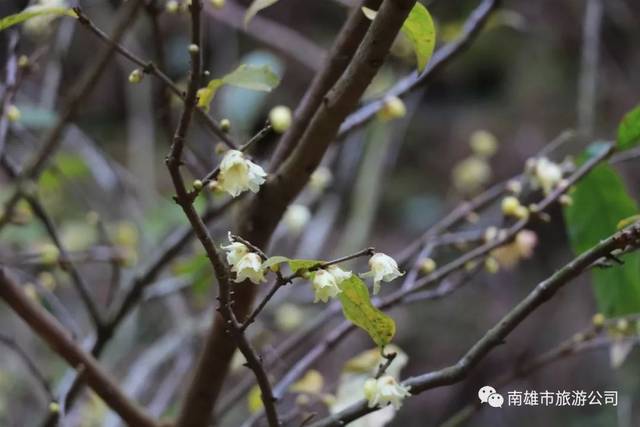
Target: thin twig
<point>150,67</point>
<point>52,332</point>
<point>31,365</point>
<point>78,93</point>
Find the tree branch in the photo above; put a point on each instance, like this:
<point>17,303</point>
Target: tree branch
<point>50,331</point>
<point>496,335</point>
<point>78,93</point>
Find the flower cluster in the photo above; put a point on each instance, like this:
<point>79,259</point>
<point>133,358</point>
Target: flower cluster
<point>385,390</point>
<point>545,174</point>
<point>243,262</point>
<point>238,174</point>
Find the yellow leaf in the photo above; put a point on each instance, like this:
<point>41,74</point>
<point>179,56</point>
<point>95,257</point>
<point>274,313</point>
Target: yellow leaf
<point>357,307</point>
<point>311,383</point>
<point>254,400</point>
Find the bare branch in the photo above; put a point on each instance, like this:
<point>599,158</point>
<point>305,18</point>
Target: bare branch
<point>50,331</point>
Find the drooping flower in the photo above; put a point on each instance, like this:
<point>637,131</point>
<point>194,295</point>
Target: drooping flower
<point>384,390</point>
<point>237,174</point>
<point>339,274</point>
<point>324,285</point>
<point>235,252</point>
<point>296,218</point>
<point>383,268</point>
<point>249,267</point>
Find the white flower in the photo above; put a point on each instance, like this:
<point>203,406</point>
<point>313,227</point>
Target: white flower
<point>249,267</point>
<point>296,218</point>
<point>339,274</point>
<point>546,174</point>
<point>237,174</point>
<point>235,251</point>
<point>384,390</point>
<point>324,285</point>
<point>383,268</point>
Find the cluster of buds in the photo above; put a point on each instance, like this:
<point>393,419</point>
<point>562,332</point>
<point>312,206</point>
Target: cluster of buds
<point>545,174</point>
<point>511,207</point>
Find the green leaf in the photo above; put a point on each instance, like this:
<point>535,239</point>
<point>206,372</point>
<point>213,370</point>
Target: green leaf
<point>302,264</point>
<point>419,30</point>
<point>256,7</point>
<point>357,307</point>
<point>274,260</point>
<point>629,130</point>
<point>32,12</point>
<point>251,77</point>
<point>600,201</point>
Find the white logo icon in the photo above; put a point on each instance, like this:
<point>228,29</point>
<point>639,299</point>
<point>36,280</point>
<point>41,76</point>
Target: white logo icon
<point>488,394</point>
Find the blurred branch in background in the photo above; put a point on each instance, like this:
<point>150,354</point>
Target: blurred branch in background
<point>588,81</point>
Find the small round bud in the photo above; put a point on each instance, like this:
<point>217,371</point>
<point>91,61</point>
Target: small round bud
<point>521,212</point>
<point>218,4</point>
<point>30,291</point>
<point>13,113</point>
<point>491,265</point>
<point>280,118</point>
<point>212,186</point>
<point>136,76</point>
<point>622,325</point>
<point>598,320</point>
<point>54,407</point>
<point>565,200</point>
<point>225,125</point>
<point>197,185</point>
<point>49,254</point>
<point>428,265</point>
<point>490,234</point>
<point>23,61</point>
<point>392,108</point>
<point>194,48</point>
<point>320,178</point>
<point>220,148</point>
<point>483,143</point>
<point>172,6</point>
<point>206,73</point>
<point>510,205</point>
<point>514,186</point>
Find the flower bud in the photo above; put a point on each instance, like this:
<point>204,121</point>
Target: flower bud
<point>280,118</point>
<point>483,143</point>
<point>428,266</point>
<point>194,48</point>
<point>172,6</point>
<point>510,206</point>
<point>225,125</point>
<point>23,61</point>
<point>598,320</point>
<point>392,108</point>
<point>197,185</point>
<point>13,113</point>
<point>135,76</point>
